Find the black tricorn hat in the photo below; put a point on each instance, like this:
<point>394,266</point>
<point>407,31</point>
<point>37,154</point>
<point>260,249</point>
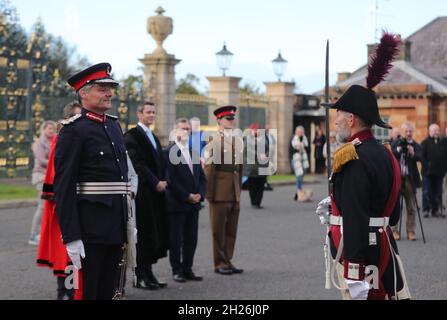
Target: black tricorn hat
<point>362,102</point>
<point>98,73</point>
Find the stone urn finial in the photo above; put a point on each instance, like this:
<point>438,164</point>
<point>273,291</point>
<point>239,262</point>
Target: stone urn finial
<point>159,27</point>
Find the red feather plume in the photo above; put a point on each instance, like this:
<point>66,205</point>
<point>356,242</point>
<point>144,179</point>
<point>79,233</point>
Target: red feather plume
<point>381,60</point>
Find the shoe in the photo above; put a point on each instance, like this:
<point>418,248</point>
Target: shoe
<point>192,277</point>
<point>152,278</point>
<point>178,278</point>
<point>65,295</point>
<point>396,235</point>
<point>295,197</point>
<point>224,271</point>
<point>144,283</point>
<point>257,206</point>
<point>34,240</point>
<point>426,214</point>
<point>411,236</point>
<point>236,270</point>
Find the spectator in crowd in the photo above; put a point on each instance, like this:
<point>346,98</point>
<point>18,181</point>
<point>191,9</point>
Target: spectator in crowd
<point>52,252</point>
<point>433,170</point>
<point>319,142</point>
<point>41,149</point>
<point>300,163</point>
<point>147,157</point>
<point>395,135</point>
<point>444,185</point>
<point>334,145</point>
<point>197,141</point>
<point>408,152</point>
<point>257,159</point>
<point>186,190</point>
<point>272,155</point>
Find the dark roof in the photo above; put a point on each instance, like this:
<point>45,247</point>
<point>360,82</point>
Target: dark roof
<point>428,63</point>
<point>429,48</point>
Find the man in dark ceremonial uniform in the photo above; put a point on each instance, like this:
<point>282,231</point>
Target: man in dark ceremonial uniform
<point>91,186</point>
<point>363,203</point>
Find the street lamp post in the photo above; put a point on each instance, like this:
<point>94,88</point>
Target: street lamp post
<point>224,58</point>
<point>279,66</point>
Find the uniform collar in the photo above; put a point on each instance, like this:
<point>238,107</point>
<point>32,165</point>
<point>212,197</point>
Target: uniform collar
<point>101,118</point>
<point>362,135</point>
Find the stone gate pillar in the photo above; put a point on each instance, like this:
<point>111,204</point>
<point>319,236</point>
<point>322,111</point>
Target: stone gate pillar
<point>282,119</point>
<point>225,90</point>
<point>159,76</point>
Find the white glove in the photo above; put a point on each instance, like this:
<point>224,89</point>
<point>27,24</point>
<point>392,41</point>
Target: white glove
<point>324,210</point>
<point>76,251</point>
<point>358,289</point>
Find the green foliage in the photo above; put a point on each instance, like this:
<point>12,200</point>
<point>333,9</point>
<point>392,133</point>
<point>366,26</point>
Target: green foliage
<point>13,37</point>
<point>14,192</point>
<point>187,85</point>
<point>250,88</point>
<point>60,58</point>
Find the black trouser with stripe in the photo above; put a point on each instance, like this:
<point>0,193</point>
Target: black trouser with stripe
<point>100,270</point>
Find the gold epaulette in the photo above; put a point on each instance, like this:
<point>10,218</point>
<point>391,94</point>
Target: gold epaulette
<point>387,145</point>
<point>345,154</point>
<point>71,120</point>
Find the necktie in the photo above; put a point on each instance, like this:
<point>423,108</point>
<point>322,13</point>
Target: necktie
<point>151,138</point>
<point>187,157</point>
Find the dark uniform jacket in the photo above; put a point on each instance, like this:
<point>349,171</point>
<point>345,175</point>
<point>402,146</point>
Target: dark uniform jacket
<point>90,150</point>
<point>361,190</point>
<point>254,148</point>
<point>411,162</point>
<point>152,223</point>
<point>181,182</point>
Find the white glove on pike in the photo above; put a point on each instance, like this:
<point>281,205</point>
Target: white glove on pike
<point>324,210</point>
<point>358,289</point>
<point>75,251</point>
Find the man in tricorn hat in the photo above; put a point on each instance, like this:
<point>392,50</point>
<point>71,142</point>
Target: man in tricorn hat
<point>223,169</point>
<point>364,194</point>
<point>91,186</point>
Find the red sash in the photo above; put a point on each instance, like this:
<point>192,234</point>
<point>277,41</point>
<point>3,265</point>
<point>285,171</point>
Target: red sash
<point>385,251</point>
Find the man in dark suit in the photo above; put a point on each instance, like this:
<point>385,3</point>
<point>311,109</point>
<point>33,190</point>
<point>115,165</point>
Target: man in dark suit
<point>187,187</point>
<point>408,153</point>
<point>146,154</point>
<point>90,184</point>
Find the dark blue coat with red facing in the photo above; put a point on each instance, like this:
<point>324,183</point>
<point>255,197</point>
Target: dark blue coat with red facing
<point>367,186</point>
<point>90,148</point>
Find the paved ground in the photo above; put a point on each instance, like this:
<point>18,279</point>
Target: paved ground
<point>279,248</point>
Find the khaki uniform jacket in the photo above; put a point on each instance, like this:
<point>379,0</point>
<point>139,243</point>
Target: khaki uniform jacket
<point>223,168</point>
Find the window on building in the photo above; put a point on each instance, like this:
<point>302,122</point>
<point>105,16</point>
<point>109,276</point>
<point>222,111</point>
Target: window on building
<point>382,134</point>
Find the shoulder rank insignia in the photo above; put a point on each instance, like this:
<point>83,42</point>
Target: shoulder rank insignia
<point>345,154</point>
<point>111,116</point>
<point>71,120</point>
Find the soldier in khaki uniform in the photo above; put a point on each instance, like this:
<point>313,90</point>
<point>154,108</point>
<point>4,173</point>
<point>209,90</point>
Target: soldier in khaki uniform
<point>223,169</point>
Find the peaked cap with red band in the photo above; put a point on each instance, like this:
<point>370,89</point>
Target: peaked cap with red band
<point>225,111</point>
<point>98,73</point>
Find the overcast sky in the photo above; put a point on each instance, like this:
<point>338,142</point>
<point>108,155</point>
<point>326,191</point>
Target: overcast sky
<point>254,30</point>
